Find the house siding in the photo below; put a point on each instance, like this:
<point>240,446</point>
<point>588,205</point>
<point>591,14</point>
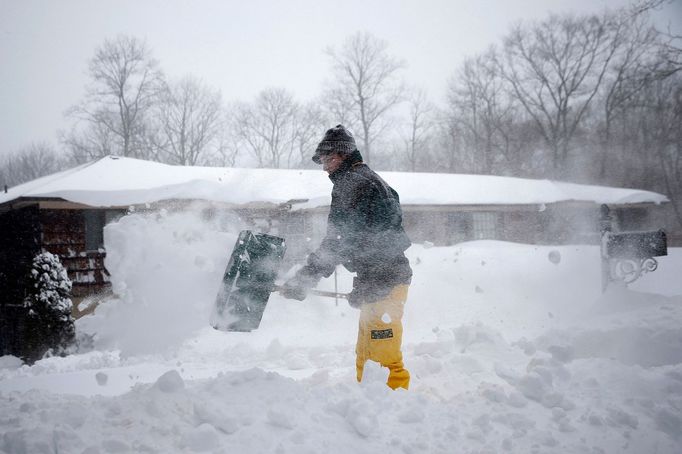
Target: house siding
<point>64,234</point>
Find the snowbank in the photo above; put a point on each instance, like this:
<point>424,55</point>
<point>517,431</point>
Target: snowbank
<point>512,348</point>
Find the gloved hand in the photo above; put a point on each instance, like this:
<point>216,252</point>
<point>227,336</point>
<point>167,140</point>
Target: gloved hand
<point>297,287</point>
<point>293,290</point>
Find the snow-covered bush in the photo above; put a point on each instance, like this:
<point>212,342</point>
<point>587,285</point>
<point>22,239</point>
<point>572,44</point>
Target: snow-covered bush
<point>50,325</point>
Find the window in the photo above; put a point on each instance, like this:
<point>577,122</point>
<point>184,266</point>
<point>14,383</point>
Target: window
<point>94,225</point>
<point>113,215</point>
<point>485,225</point>
<point>95,220</point>
<point>459,226</point>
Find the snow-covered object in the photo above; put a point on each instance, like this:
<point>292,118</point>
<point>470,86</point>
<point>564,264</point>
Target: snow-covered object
<point>48,305</point>
<point>52,287</point>
<point>118,181</point>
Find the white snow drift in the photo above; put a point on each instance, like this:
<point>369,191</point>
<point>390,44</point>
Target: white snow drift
<point>512,348</point>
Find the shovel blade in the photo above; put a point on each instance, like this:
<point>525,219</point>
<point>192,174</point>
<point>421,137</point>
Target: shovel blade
<point>248,280</point>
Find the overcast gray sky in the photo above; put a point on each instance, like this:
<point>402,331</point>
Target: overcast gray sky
<point>240,47</point>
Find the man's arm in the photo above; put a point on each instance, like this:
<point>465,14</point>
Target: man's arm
<point>319,264</point>
<point>324,260</point>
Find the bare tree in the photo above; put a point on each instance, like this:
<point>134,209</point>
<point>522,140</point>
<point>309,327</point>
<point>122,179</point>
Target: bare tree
<point>125,83</point>
<point>635,63</point>
<point>479,99</point>
<point>277,130</point>
<point>366,86</point>
<point>655,139</point>
<point>420,125</point>
<point>92,142</point>
<point>266,127</point>
<point>672,45</point>
<point>641,6</point>
<point>228,147</point>
<point>450,153</point>
<point>468,93</point>
<point>189,121</point>
<point>555,68</point>
<point>28,163</point>
<point>310,122</point>
<point>670,157</point>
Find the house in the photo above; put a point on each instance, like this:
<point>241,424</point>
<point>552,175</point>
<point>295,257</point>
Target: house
<point>65,213</point>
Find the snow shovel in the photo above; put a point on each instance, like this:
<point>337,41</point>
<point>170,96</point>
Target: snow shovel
<point>248,281</point>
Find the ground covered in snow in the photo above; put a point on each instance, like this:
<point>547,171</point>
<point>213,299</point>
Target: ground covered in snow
<point>512,348</point>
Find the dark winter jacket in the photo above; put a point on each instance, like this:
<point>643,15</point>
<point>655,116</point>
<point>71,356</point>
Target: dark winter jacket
<point>364,232</point>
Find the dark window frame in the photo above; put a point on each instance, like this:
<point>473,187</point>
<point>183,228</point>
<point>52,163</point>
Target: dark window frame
<point>94,221</point>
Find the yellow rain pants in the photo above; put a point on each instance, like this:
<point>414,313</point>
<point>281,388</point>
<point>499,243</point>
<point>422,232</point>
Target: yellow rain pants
<point>380,335</point>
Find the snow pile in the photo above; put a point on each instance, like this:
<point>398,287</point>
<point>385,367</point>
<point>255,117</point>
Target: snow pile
<point>512,348</point>
<point>471,390</point>
<point>10,362</point>
<point>165,269</point>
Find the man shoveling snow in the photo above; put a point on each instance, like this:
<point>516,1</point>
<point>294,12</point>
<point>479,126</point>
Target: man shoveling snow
<point>365,235</point>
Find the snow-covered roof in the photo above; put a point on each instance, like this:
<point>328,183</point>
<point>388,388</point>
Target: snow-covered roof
<point>118,181</point>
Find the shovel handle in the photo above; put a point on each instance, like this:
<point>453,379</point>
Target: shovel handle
<point>314,291</point>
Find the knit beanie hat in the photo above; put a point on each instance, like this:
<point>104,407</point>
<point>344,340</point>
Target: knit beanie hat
<point>337,139</point>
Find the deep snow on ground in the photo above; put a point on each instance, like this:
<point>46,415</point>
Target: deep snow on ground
<point>512,348</point>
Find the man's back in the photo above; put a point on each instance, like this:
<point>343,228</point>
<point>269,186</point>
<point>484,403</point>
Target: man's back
<point>365,226</point>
